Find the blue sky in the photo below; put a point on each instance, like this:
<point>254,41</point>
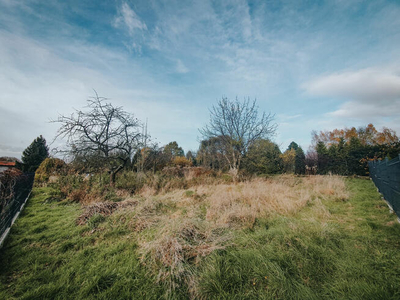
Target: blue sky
<point>316,65</point>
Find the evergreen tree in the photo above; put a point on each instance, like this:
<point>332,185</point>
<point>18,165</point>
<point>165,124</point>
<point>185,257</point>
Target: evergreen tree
<point>300,161</point>
<point>332,159</point>
<point>342,157</point>
<point>34,154</point>
<point>323,158</point>
<point>293,145</point>
<point>347,151</point>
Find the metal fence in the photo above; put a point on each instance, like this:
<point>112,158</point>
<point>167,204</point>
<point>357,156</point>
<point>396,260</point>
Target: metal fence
<point>10,207</point>
<point>386,176</point>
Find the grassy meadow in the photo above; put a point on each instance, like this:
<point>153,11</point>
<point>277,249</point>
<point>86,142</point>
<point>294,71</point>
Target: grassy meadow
<point>283,237</point>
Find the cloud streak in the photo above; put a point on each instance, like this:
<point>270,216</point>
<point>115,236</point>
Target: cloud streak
<point>129,19</point>
<point>170,61</point>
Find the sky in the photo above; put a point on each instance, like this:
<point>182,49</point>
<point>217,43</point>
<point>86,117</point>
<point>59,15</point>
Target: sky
<point>315,65</point>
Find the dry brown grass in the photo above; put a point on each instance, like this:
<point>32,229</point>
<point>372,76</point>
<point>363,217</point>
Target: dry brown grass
<point>331,186</point>
<point>102,208</point>
<point>177,228</point>
<point>178,245</point>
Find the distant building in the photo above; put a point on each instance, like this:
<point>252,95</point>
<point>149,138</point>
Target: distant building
<point>5,165</point>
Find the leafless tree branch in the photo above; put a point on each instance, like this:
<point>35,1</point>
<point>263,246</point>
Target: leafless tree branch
<point>237,125</point>
<point>106,134</point>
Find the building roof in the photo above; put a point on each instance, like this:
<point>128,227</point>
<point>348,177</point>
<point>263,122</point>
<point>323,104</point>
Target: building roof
<point>7,163</point>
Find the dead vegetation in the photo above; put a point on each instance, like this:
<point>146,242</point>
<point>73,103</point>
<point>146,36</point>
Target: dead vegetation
<point>176,229</point>
<point>102,208</point>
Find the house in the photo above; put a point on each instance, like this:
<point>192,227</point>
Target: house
<point>5,165</point>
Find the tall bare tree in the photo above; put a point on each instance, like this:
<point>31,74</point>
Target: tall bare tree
<point>237,125</point>
<point>102,136</point>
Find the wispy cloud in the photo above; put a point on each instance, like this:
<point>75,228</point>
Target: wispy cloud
<point>128,18</point>
<point>169,61</point>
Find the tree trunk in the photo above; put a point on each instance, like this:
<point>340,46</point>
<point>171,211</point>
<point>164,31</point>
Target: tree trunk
<point>235,173</point>
<point>113,173</point>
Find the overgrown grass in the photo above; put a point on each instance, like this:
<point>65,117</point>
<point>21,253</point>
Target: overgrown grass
<point>320,240</point>
<point>47,256</point>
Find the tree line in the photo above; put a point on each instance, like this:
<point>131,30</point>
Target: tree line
<point>237,139</point>
<point>347,151</point>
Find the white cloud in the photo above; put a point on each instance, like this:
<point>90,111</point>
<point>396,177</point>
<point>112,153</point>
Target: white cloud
<point>355,109</point>
<point>367,86</point>
<point>127,17</point>
<point>367,95</point>
<point>38,82</point>
<point>224,48</point>
<point>286,117</point>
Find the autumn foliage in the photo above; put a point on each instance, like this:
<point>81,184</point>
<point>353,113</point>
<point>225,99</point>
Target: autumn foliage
<point>347,151</point>
<point>368,135</point>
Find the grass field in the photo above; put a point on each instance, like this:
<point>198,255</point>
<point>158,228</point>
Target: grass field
<point>284,237</point>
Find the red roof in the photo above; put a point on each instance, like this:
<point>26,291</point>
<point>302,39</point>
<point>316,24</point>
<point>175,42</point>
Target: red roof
<point>7,163</point>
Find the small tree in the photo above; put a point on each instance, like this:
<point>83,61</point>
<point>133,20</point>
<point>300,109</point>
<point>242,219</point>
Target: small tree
<point>34,154</point>
<point>263,157</point>
<point>172,150</point>
<point>237,125</point>
<point>192,157</point>
<point>289,158</point>
<point>211,154</point>
<point>105,137</point>
<point>151,158</point>
<point>311,158</point>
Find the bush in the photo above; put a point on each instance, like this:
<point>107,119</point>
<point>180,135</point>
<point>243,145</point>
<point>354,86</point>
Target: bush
<point>49,167</point>
<point>181,161</point>
<point>8,180</point>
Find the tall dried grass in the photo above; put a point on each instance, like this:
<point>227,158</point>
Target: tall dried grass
<point>201,220</point>
<point>177,228</point>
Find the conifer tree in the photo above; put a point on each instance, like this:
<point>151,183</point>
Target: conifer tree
<point>300,161</point>
<point>293,145</point>
<point>34,154</point>
<point>323,158</point>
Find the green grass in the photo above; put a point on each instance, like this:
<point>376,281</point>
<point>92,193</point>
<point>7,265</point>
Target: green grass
<point>352,251</point>
<point>47,256</point>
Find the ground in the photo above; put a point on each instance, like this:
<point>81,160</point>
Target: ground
<point>285,237</point>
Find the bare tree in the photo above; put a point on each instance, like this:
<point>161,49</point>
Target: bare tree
<point>104,136</point>
<point>237,125</point>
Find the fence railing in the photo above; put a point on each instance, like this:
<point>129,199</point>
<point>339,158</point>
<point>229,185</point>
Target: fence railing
<point>10,207</point>
<point>386,176</point>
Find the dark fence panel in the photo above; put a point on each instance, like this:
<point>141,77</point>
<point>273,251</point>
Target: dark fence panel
<point>386,176</point>
<point>10,207</point>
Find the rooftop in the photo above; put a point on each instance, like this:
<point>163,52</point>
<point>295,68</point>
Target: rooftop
<point>7,163</point>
